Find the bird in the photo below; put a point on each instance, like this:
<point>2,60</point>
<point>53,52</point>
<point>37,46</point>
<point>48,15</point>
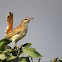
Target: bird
<point>19,32</point>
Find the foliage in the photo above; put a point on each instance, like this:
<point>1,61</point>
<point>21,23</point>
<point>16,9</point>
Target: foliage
<point>56,60</point>
<point>13,54</point>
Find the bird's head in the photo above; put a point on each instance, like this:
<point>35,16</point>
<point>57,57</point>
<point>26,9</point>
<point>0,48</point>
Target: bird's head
<point>26,20</point>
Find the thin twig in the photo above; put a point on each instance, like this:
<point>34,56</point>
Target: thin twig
<point>31,59</point>
<point>39,59</point>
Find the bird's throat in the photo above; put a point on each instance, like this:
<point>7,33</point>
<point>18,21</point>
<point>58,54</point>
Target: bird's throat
<point>25,25</point>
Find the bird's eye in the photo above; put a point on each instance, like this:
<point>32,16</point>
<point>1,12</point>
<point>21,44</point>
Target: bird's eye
<point>25,19</point>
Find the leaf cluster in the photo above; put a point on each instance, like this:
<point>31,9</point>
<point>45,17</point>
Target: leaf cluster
<point>17,55</point>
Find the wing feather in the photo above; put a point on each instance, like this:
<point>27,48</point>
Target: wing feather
<point>17,30</point>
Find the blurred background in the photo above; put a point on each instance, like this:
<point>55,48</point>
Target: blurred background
<point>44,31</point>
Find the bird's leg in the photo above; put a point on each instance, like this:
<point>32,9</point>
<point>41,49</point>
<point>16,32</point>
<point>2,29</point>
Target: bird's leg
<point>15,45</point>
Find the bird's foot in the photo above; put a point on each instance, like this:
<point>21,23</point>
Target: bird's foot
<point>17,47</point>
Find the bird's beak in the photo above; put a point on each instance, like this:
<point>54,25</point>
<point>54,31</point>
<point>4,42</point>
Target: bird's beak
<point>31,18</point>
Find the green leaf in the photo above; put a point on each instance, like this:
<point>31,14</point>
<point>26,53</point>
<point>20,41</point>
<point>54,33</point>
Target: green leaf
<point>8,54</point>
<point>3,43</point>
<point>23,59</point>
<point>2,46</point>
<point>20,59</point>
<point>7,50</point>
<point>2,56</point>
<point>32,52</point>
<point>27,45</point>
<point>11,58</point>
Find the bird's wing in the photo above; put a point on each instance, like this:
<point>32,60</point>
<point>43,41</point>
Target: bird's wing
<point>14,32</point>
